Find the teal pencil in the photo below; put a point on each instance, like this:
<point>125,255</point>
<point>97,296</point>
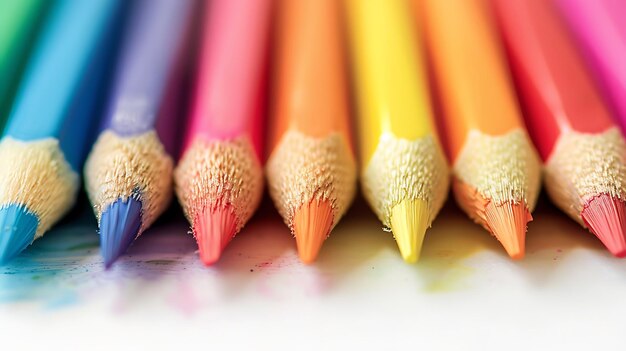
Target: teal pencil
<point>18,21</point>
<point>48,130</point>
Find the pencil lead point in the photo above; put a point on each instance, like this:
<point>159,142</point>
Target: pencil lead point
<point>17,231</point>
<point>312,223</point>
<point>409,221</point>
<point>214,229</point>
<point>508,222</point>
<point>119,226</point>
<point>606,218</point>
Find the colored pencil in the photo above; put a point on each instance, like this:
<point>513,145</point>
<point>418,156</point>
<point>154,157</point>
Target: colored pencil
<point>582,148</point>
<point>600,29</point>
<point>219,180</point>
<point>18,22</point>
<point>128,174</point>
<point>403,169</point>
<point>495,167</point>
<point>311,170</point>
<point>47,134</point>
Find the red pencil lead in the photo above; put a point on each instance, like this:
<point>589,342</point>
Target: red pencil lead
<point>213,230</point>
<point>606,218</point>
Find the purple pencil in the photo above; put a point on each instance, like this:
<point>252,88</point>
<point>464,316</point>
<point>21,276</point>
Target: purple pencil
<point>600,27</point>
<point>129,171</point>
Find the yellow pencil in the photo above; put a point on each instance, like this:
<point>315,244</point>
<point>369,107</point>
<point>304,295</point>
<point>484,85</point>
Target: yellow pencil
<point>403,170</point>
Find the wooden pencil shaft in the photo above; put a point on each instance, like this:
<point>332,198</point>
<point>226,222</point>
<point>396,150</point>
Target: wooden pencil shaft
<point>556,89</point>
<point>471,71</point>
<point>152,62</point>
<point>64,79</point>
<point>230,91</point>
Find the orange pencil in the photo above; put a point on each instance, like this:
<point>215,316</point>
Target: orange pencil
<point>583,150</point>
<point>496,169</point>
<point>311,169</point>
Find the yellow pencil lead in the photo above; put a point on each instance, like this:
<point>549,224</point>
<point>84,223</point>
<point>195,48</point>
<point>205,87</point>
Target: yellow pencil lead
<point>409,221</point>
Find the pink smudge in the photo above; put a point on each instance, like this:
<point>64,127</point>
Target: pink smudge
<point>184,299</point>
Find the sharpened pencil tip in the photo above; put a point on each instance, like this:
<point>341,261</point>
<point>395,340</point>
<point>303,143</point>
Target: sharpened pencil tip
<point>409,221</point>
<point>214,229</point>
<point>119,226</point>
<point>508,222</point>
<point>312,223</point>
<point>606,218</point>
<point>17,231</point>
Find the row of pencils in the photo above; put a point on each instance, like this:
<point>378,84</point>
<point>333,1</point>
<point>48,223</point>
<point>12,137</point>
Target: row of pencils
<point>488,93</point>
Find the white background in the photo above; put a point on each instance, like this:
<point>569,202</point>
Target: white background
<point>568,293</point>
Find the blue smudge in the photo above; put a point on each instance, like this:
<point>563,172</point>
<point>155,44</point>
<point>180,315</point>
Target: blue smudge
<point>50,269</point>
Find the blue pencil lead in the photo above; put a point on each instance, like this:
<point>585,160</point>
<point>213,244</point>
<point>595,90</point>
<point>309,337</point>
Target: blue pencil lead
<point>119,226</point>
<point>17,231</point>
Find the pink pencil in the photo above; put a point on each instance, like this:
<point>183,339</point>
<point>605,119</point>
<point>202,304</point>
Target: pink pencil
<point>600,27</point>
<point>219,179</point>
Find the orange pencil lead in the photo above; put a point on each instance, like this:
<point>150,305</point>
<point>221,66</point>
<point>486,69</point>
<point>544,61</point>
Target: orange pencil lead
<point>214,229</point>
<point>606,218</point>
<point>508,222</point>
<point>311,225</point>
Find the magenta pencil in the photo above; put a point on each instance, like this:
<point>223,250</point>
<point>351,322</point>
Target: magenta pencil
<point>219,179</point>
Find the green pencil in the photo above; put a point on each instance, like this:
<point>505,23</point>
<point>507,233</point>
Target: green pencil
<point>18,21</point>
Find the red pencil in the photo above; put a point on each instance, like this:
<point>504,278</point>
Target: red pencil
<point>219,179</point>
<point>582,149</point>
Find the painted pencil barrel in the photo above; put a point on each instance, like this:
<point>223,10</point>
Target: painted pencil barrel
<point>600,30</point>
<point>18,22</point>
<point>62,81</point>
<point>230,91</point>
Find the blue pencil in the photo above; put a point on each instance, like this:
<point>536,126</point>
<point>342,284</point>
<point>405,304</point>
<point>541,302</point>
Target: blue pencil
<point>129,171</point>
<point>48,129</point>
